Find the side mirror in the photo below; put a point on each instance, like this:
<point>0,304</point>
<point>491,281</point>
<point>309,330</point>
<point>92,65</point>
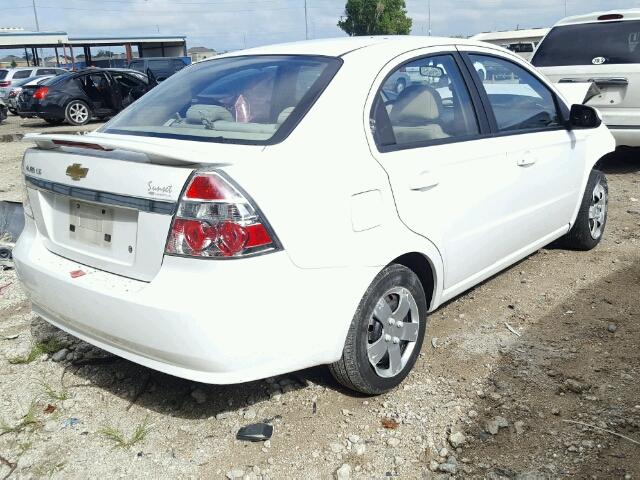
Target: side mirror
<point>583,116</point>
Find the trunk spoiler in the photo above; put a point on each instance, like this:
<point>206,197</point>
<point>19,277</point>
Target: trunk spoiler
<point>157,152</point>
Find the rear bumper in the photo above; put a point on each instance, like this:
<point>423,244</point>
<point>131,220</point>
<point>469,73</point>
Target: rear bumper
<point>205,320</point>
<point>626,136</point>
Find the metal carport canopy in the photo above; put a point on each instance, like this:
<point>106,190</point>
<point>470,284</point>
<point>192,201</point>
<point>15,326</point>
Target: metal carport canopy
<point>18,39</point>
<point>112,41</point>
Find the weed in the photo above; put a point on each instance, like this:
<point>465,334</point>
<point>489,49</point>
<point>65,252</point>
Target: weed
<point>61,396</point>
<point>37,349</point>
<point>30,418</point>
<point>119,439</point>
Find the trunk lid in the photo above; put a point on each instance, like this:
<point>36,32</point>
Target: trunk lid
<point>619,89</point>
<point>108,202</point>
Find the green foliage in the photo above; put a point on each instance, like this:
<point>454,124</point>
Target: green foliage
<point>13,64</point>
<point>29,418</point>
<point>119,439</point>
<point>53,394</point>
<point>37,349</point>
<point>376,17</point>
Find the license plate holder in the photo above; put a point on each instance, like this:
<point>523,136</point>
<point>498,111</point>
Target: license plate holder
<point>91,223</point>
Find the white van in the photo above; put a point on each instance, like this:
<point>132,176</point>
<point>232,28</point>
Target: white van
<point>603,48</point>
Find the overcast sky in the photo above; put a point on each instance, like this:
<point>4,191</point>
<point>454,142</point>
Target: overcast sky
<point>232,24</point>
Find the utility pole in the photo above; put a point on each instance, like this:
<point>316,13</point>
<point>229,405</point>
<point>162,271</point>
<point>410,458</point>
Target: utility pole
<point>35,15</point>
<point>565,8</point>
<point>306,21</point>
<point>429,15</point>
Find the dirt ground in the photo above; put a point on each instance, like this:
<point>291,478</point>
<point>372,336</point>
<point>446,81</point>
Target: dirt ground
<point>534,374</point>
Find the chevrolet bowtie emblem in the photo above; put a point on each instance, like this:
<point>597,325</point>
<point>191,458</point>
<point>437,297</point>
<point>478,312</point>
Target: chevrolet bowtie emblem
<point>76,172</point>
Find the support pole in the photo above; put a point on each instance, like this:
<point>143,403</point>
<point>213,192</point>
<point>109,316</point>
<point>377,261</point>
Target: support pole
<point>306,21</point>
<point>26,54</point>
<point>73,58</point>
<point>57,57</point>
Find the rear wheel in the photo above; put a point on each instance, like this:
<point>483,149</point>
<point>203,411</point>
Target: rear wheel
<point>77,113</point>
<point>401,84</point>
<point>13,111</point>
<point>386,333</point>
<point>588,229</point>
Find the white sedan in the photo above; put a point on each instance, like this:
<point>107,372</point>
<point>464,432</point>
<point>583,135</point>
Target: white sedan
<point>283,207</point>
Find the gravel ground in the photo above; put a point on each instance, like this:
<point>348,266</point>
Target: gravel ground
<point>552,395</point>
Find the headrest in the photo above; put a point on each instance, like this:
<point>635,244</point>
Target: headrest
<point>212,113</point>
<point>416,105</point>
<point>284,114</point>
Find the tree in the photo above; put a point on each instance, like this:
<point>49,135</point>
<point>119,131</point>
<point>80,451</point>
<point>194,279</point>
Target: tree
<point>13,64</point>
<point>375,17</point>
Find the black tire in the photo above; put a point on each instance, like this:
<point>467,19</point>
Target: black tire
<point>71,118</point>
<point>354,370</point>
<point>13,111</point>
<point>581,236</point>
<point>54,121</point>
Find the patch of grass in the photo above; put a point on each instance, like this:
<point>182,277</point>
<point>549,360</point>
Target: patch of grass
<point>37,349</point>
<point>30,418</point>
<point>49,469</point>
<point>139,434</point>
<point>53,394</point>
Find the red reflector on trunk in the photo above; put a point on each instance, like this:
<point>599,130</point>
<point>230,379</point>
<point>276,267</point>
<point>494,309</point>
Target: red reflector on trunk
<point>611,16</point>
<point>5,84</point>
<point>90,146</point>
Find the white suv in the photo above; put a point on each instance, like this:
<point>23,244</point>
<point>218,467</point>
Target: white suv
<point>603,48</point>
<point>9,75</point>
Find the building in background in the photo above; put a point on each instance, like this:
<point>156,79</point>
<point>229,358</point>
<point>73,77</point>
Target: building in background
<point>201,53</point>
<point>523,42</point>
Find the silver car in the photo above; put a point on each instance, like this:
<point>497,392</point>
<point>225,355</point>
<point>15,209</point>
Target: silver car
<point>10,75</point>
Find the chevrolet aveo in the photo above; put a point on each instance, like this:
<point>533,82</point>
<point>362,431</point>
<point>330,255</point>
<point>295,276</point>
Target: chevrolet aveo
<point>283,207</point>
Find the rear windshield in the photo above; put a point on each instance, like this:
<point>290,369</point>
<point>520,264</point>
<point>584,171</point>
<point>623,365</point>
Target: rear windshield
<point>248,99</point>
<point>3,73</point>
<point>590,44</point>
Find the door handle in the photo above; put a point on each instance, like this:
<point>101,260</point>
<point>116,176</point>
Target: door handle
<point>526,160</point>
<point>424,181</point>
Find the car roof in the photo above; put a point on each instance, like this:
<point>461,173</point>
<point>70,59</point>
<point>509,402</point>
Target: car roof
<point>336,47</point>
<point>629,14</point>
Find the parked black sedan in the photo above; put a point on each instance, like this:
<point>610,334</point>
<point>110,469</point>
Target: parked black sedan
<point>78,97</point>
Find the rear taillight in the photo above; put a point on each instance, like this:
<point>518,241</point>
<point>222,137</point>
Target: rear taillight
<point>40,93</point>
<point>215,219</point>
<point>5,84</point>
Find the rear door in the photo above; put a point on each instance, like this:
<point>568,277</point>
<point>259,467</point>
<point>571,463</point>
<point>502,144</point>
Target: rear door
<point>452,182</point>
<point>605,52</point>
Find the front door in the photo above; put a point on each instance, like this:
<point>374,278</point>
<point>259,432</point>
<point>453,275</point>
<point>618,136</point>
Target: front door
<point>531,124</point>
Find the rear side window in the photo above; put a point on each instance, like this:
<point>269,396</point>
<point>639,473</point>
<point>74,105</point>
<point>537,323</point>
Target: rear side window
<point>46,71</point>
<point>421,102</point>
<point>22,74</point>
<point>247,99</point>
<point>3,74</point>
<point>590,43</point>
<point>159,64</point>
<point>519,101</point>
<point>137,65</point>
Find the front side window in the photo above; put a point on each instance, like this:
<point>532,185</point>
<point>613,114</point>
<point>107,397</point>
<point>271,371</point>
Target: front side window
<point>518,99</point>
<point>248,99</point>
<point>425,100</point>
<point>590,44</point>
